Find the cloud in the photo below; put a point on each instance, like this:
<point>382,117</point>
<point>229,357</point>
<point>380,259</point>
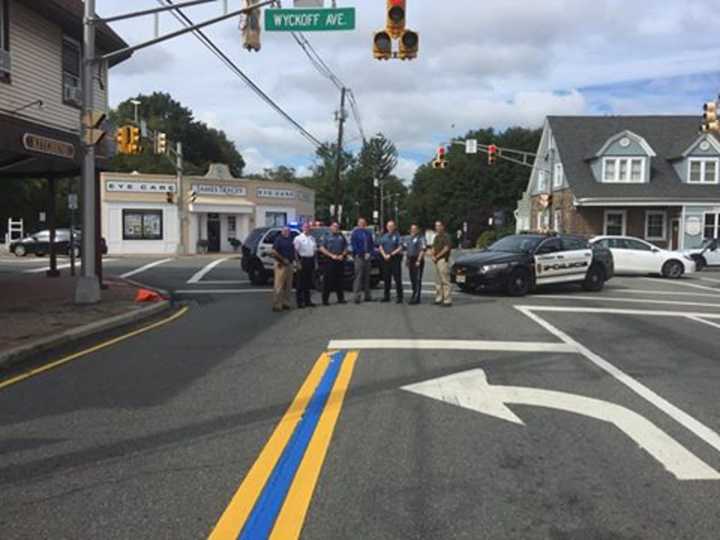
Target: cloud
<point>255,161</point>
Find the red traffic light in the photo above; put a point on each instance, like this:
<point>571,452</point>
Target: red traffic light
<point>441,152</point>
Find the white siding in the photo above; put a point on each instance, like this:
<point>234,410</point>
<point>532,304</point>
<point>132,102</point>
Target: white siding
<point>36,49</point>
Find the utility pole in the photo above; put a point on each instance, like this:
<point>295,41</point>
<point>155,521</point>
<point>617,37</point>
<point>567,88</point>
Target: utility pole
<point>179,170</point>
<point>88,286</point>
<point>338,167</point>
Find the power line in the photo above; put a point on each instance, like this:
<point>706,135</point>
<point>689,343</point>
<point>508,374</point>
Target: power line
<point>205,40</point>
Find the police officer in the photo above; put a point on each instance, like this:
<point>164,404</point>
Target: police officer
<point>415,260</point>
<point>391,251</point>
<point>335,248</point>
<point>284,254</point>
<point>306,249</point>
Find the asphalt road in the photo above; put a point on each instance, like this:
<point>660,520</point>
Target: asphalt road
<point>563,415</point>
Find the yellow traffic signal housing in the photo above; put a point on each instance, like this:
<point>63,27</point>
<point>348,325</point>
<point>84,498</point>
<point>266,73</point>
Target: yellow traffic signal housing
<point>169,197</point>
<point>161,143</point>
<point>122,140</point>
<point>382,45</point>
<point>396,16</point>
<point>134,143</point>
<point>409,45</point>
<point>710,117</point>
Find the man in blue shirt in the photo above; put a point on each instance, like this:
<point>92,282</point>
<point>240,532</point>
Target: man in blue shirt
<point>391,251</point>
<point>334,247</point>
<point>415,248</point>
<point>363,246</point>
<point>284,254</point>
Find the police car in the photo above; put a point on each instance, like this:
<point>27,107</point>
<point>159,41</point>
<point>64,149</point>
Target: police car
<point>518,264</point>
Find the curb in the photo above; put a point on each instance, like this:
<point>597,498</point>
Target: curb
<point>19,354</point>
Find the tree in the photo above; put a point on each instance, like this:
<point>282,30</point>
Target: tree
<point>202,145</point>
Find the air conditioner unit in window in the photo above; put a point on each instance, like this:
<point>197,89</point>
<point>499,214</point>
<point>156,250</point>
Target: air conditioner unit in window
<point>73,94</point>
<point>5,61</point>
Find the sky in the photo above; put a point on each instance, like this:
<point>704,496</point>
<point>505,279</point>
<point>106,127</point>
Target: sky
<point>481,64</point>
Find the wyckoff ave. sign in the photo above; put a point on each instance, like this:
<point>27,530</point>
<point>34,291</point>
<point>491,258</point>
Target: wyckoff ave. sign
<point>309,20</point>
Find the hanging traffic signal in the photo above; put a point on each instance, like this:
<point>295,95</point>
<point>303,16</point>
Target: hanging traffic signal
<point>440,159</point>
<point>409,45</point>
<point>134,142</point>
<point>169,197</point>
<point>192,196</point>
<point>122,140</point>
<point>492,154</point>
<point>710,118</point>
<point>395,18</point>
<point>161,143</point>
<point>382,45</point>
<point>250,27</point>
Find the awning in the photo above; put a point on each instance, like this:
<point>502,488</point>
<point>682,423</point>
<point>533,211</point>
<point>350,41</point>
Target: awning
<point>222,205</point>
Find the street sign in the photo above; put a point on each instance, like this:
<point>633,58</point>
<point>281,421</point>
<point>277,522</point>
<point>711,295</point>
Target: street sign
<point>471,390</point>
<point>471,146</point>
<point>309,3</point>
<point>72,201</point>
<point>309,20</point>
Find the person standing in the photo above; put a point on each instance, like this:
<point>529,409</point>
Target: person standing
<point>335,248</point>
<point>415,259</point>
<point>306,249</point>
<point>391,251</point>
<point>441,248</point>
<point>363,246</point>
<point>284,254</point>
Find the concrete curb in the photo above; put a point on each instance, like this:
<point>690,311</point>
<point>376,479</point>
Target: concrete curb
<point>19,354</point>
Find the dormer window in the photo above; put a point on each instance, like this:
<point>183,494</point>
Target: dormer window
<point>624,170</point>
<point>703,171</point>
<point>542,188</point>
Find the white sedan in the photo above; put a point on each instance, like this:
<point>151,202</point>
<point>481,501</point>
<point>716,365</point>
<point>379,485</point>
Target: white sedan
<point>636,256</point>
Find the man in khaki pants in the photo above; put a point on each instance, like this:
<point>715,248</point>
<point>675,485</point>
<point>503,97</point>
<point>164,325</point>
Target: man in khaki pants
<point>284,254</point>
<point>441,249</point>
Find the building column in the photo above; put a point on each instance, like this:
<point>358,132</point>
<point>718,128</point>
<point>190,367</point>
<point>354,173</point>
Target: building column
<point>51,210</point>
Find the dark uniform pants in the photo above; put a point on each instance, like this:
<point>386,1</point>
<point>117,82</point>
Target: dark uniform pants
<point>305,281</point>
<point>392,270</point>
<point>416,276</point>
<point>334,273</point>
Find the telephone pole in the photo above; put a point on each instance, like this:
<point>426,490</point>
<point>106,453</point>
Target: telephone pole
<point>338,166</point>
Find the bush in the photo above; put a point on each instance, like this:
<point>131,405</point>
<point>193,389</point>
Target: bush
<point>485,239</point>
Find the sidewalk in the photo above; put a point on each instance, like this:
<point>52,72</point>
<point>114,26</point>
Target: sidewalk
<point>37,313</point>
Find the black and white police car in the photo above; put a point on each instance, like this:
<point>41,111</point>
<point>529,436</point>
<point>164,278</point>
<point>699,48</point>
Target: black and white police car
<point>519,263</point>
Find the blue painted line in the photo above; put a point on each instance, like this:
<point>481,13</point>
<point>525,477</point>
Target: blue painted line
<point>262,519</point>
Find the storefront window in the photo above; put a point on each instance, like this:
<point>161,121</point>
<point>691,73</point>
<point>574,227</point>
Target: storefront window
<point>275,219</point>
<point>711,222</point>
<point>232,226</point>
<point>142,225</point>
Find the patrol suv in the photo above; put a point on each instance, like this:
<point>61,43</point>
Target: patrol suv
<point>519,263</point>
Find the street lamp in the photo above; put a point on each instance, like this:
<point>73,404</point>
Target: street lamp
<point>136,103</point>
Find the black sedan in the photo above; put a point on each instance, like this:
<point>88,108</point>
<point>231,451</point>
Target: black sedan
<point>39,244</point>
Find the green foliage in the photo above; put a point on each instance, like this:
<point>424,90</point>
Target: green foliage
<point>491,236</point>
<point>202,145</point>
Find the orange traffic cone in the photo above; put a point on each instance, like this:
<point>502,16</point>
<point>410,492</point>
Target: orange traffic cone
<point>144,295</point>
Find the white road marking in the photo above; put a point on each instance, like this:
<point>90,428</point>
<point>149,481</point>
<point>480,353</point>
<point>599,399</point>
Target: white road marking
<point>59,267</point>
<point>710,280</point>
<point>682,284</point>
<point>224,291</point>
<point>205,271</point>
<point>448,345</point>
<point>145,268</point>
<point>698,428</point>
<point>628,300</point>
<point>703,321</point>
<point>669,293</point>
<point>471,390</point>
<point>643,312</point>
<point>223,282</point>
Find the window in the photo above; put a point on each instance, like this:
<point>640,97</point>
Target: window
<point>624,170</point>
<point>142,225</point>
<point>275,219</point>
<point>232,226</point>
<point>558,176</point>
<point>703,171</point>
<point>614,222</point>
<point>655,225</point>
<point>574,244</point>
<point>558,220</point>
<point>4,42</point>
<point>637,245</point>
<point>71,67</point>
<point>552,245</point>
<point>712,221</point>
<point>541,182</point>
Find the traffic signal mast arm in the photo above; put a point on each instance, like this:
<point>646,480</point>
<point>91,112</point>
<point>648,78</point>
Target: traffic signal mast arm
<point>519,157</point>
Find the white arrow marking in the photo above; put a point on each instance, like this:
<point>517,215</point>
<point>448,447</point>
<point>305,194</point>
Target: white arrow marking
<point>471,390</point>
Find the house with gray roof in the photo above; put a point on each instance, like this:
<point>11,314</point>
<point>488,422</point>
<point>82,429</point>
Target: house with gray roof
<point>653,177</point>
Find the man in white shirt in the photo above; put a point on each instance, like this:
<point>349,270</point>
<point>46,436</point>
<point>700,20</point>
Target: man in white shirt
<point>306,249</point>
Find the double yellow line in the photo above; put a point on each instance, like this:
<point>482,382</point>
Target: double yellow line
<point>291,517</point>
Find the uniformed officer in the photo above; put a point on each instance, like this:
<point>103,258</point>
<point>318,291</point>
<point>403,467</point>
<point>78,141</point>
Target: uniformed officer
<point>335,248</point>
<point>441,248</point>
<point>284,254</point>
<point>415,248</point>
<point>391,251</point>
<point>306,249</point>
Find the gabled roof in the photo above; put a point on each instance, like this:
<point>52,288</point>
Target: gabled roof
<point>669,136</point>
<point>630,135</point>
<point>705,136</point>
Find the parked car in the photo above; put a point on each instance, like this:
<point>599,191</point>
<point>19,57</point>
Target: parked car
<point>636,256</point>
<point>706,255</point>
<point>258,262</point>
<point>39,244</point>
<point>519,263</point>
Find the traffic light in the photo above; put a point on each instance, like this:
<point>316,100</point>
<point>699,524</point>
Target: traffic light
<point>134,142</point>
<point>161,143</point>
<point>192,197</point>
<point>710,118</point>
<point>492,154</point>
<point>169,197</point>
<point>122,140</point>
<point>250,27</point>
<point>395,18</point>
<point>440,159</point>
<point>382,45</point>
<point>409,45</point>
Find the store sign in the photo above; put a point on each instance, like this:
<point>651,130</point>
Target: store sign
<point>46,145</point>
<point>222,191</point>
<point>266,193</point>
<point>120,186</point>
<point>693,226</point>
